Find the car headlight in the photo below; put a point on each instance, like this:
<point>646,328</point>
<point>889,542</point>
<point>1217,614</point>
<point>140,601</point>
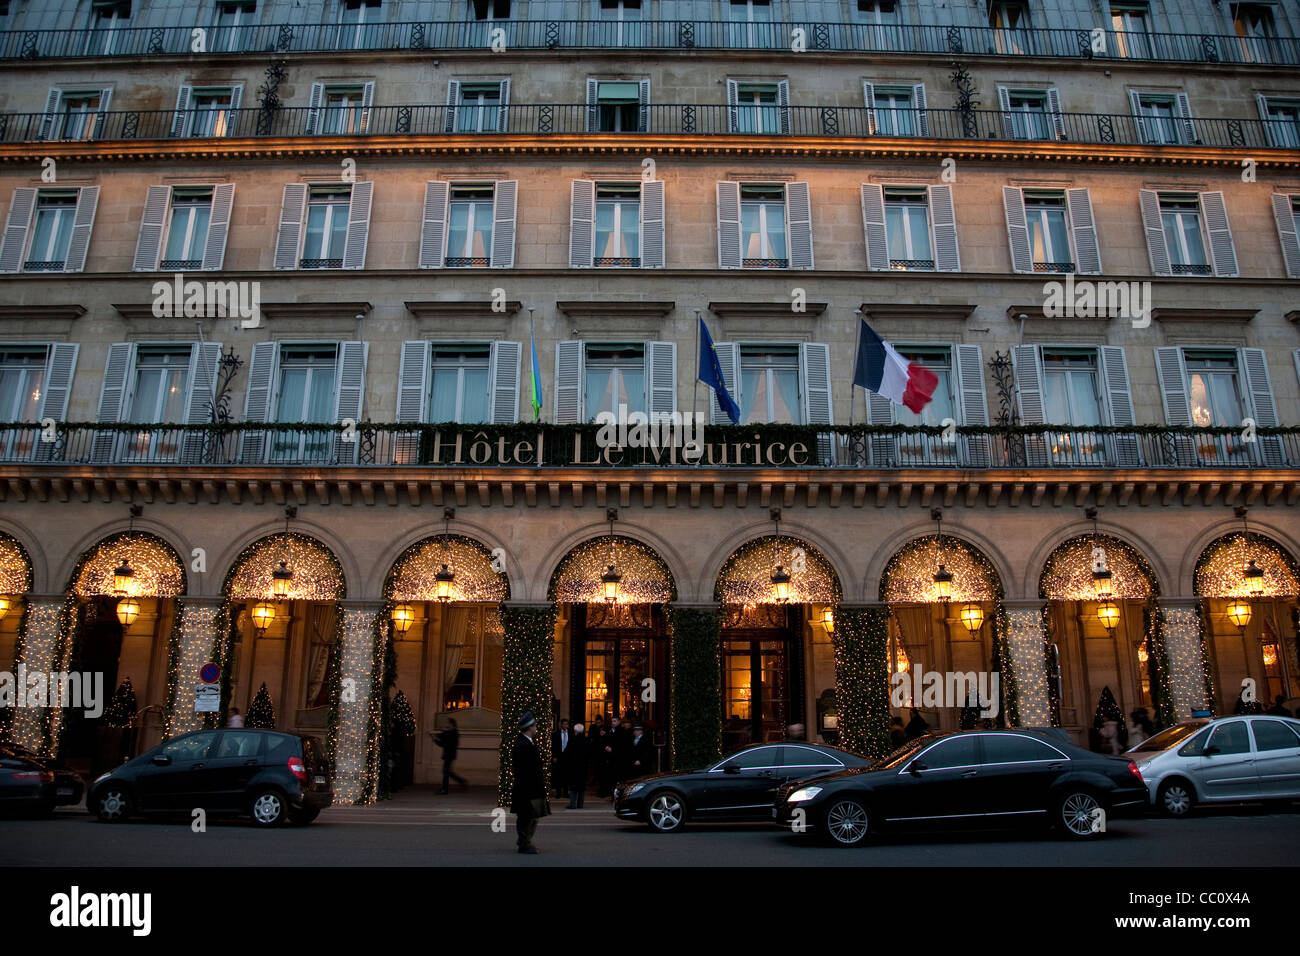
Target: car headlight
<point>635,788</point>
<point>803,794</point>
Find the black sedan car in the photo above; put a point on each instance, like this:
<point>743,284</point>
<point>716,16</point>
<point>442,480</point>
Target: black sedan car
<point>968,779</point>
<point>268,775</point>
<point>68,785</point>
<point>741,786</point>
<point>25,786</point>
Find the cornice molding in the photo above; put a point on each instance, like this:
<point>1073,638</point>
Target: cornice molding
<point>459,309</point>
<point>315,310</point>
<point>1014,312</point>
<point>766,310</point>
<point>1204,315</point>
<point>604,308</point>
<point>911,312</point>
<point>52,313</point>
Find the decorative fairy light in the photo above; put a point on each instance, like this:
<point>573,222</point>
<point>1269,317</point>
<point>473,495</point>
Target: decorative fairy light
<point>1220,572</point>
<point>414,577</point>
<point>746,576</point>
<point>610,580</point>
<point>909,577</point>
<point>1025,645</point>
<point>644,578</point>
<point>197,626</point>
<point>40,650</point>
<point>156,570</point>
<point>1067,574</point>
<point>942,576</point>
<point>1183,647</point>
<point>15,567</point>
<point>354,710</point>
<point>316,576</point>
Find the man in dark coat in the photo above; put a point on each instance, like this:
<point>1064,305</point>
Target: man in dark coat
<point>529,799</point>
<point>559,745</point>
<point>640,756</point>
<point>574,762</point>
<point>449,741</point>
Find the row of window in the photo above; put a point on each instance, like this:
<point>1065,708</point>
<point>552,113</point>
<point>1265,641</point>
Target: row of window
<point>617,105</point>
<point>619,224</point>
<point>1130,23</point>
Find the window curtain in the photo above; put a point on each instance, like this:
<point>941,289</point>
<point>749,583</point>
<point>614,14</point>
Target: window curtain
<point>320,628</point>
<point>916,635</point>
<point>456,638</point>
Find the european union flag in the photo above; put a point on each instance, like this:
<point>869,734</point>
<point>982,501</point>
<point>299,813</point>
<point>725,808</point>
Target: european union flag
<point>711,375</point>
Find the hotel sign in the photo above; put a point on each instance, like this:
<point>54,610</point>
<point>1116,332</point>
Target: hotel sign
<point>479,449</point>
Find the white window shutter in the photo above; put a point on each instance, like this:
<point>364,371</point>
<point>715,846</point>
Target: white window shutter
<point>13,248</point>
<point>733,106</point>
<point>1283,215</point>
<point>1123,449</point>
<point>1139,121</point>
<point>728,354</point>
<point>51,112</point>
<point>288,241</point>
<point>582,223</point>
<point>969,364</point>
<point>503,115</point>
<point>180,119</point>
<point>1222,251</point>
<point>1083,230</point>
<point>367,103</point>
<point>569,361</point>
<point>314,107</point>
<point>922,111</point>
<point>349,396</point>
<point>943,225</point>
<point>1154,226</point>
<point>262,364</point>
<point>869,98</point>
<point>783,105</point>
<point>214,247</point>
<point>236,97</point>
<point>433,231</point>
<point>729,226</point>
<point>504,199</point>
<point>60,364</point>
<point>113,392</point>
<point>1028,363</point>
<point>653,250</point>
<point>815,379</point>
<point>413,380</point>
<point>1254,362</point>
<point>884,448</point>
<point>1183,107</point>
<point>1054,111</point>
<point>83,220</point>
<point>643,106</point>
<point>453,101</point>
<point>798,217</point>
<point>661,377</point>
<point>148,245</point>
<point>1172,374</point>
<point>205,361</point>
<point>354,245</point>
<point>1004,101</point>
<point>507,360</point>
<point>1271,133</point>
<point>593,105</point>
<point>873,227</point>
<point>101,118</point>
<point>1013,205</point>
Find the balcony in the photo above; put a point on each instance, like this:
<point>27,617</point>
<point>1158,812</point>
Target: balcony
<point>663,119</point>
<point>405,447</point>
<point>947,41</point>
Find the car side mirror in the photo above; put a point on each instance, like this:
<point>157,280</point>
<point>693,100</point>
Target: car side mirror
<point>915,768</point>
<point>161,760</point>
<point>730,768</point>
<point>1210,751</point>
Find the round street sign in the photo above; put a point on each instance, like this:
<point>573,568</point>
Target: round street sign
<point>210,673</point>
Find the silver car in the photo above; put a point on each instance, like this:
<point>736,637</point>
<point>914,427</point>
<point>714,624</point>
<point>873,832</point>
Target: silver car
<point>1231,759</point>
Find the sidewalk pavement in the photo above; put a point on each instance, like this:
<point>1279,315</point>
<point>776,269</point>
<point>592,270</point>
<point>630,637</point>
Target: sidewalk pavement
<point>425,804</point>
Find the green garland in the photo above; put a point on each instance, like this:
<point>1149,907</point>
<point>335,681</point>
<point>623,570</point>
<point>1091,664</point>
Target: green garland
<point>173,668</point>
<point>1158,664</point>
<point>6,713</point>
<point>861,641</point>
<point>525,686</point>
<point>695,672</point>
<point>382,678</point>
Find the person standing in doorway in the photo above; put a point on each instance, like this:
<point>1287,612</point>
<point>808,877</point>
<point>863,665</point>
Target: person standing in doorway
<point>449,741</point>
<point>558,767</point>
<point>575,767</point>
<point>529,799</point>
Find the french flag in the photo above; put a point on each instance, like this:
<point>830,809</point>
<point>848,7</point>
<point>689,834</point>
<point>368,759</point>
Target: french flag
<point>882,370</point>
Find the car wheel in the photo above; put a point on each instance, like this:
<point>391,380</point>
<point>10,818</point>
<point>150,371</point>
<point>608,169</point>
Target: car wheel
<point>846,822</point>
<point>269,809</point>
<point>1176,798</point>
<point>304,816</point>
<point>112,805</point>
<point>1081,815</point>
<point>666,813</point>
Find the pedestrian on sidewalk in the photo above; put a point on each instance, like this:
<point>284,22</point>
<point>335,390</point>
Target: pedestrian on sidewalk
<point>528,802</point>
<point>558,748</point>
<point>449,741</point>
<point>575,767</point>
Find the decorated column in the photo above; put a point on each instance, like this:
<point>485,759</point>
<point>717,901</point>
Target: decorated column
<point>1026,649</point>
<point>862,678</point>
<point>1184,649</point>
<point>356,730</point>
<point>186,657</point>
<point>37,653</point>
<point>529,640</point>
<point>696,674</point>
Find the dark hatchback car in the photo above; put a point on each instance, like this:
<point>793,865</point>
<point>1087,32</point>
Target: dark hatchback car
<point>741,786</point>
<point>968,779</point>
<point>266,774</point>
<point>68,786</point>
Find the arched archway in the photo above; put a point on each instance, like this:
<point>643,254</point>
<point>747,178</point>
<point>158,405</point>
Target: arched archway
<point>1249,588</point>
<point>946,627</point>
<point>442,607</point>
<point>1106,647</point>
<point>15,582</point>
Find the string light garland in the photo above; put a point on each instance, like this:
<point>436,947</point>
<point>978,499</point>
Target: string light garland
<point>695,677</point>
<point>15,566</point>
<point>316,572</point>
<point>746,576</point>
<point>188,652</point>
<point>1220,570</point>
<point>861,644</point>
<point>1189,679</point>
<point>413,577</point>
<point>527,648</point>
<point>644,577</point>
<point>44,619</point>
<point>356,733</point>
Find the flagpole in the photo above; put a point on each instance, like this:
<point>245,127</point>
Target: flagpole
<point>695,394</point>
<point>532,369</point>
<point>853,385</point>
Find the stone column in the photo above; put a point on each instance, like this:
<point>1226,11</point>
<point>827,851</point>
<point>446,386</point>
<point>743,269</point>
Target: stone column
<point>529,643</point>
<point>1185,656</point>
<point>696,669</point>
<point>1025,647</point>
<point>357,731</point>
<point>198,635</point>
<point>40,655</point>
<point>862,677</point>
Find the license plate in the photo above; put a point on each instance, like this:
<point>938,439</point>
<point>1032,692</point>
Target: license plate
<point>320,780</point>
<point>65,791</point>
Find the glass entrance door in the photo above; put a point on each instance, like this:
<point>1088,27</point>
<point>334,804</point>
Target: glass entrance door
<point>756,691</point>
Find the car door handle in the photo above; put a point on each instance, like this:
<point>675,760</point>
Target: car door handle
<point>969,773</point>
<point>195,766</point>
<point>251,763</point>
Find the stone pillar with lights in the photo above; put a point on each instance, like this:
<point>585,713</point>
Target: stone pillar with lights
<point>38,655</point>
<point>1185,653</point>
<point>1027,651</point>
<point>198,637</point>
<point>357,732</point>
<point>529,644</point>
<point>696,679</point>
<point>862,677</point>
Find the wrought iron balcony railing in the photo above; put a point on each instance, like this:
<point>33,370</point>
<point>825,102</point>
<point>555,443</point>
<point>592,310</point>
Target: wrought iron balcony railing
<point>668,119</point>
<point>1072,43</point>
<point>403,446</point>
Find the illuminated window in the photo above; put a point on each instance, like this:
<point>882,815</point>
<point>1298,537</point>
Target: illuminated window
<point>769,390</point>
<point>458,386</point>
<point>907,227</point>
<point>618,225</point>
<point>1049,231</point>
<point>469,226</point>
<point>1010,22</point>
<point>1130,23</point>
<point>22,376</point>
<point>762,227</point>
<point>210,112</point>
<point>1214,388</point>
<point>615,376</point>
<point>1253,23</point>
<point>78,116</point>
<point>343,110</point>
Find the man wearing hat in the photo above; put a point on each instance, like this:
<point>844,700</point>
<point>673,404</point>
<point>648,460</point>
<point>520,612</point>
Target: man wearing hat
<point>529,802</point>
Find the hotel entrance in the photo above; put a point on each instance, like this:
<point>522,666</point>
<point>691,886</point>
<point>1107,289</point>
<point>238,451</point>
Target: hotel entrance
<point>621,663</point>
<point>762,686</point>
